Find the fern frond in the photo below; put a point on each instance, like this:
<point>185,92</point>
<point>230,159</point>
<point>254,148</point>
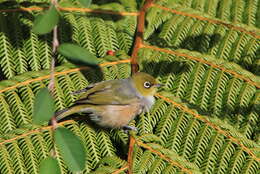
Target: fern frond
<point>31,48</point>
<point>144,163</point>
<point>200,144</point>
<point>209,162</point>
<point>157,166</point>
<point>233,11</point>
<point>189,137</point>
<point>144,123</point>
<point>30,160</point>
<point>237,162</point>
<point>5,161</point>
<point>155,18</point>
<point>224,157</point>
<point>164,126</point>
<point>7,122</point>
<point>175,138</point>
<point>105,144</point>
<point>19,112</point>
<point>6,60</point>
<point>19,58</point>
<point>17,157</point>
<point>101,41</point>
<point>250,166</point>
<point>198,35</point>
<point>91,145</point>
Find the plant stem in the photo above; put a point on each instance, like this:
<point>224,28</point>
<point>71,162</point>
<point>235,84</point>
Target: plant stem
<point>139,35</point>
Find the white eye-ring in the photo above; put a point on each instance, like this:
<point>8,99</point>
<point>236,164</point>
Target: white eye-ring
<point>147,85</point>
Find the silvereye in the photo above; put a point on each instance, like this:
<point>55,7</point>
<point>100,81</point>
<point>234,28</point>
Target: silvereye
<point>114,103</point>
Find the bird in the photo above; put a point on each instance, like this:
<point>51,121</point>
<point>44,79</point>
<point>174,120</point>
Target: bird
<point>114,103</point>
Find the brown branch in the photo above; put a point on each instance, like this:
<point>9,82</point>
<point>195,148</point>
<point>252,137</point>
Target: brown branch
<point>139,35</point>
<point>130,154</point>
<point>120,170</point>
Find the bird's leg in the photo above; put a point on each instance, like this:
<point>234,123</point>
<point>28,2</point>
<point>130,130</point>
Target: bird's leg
<point>127,128</point>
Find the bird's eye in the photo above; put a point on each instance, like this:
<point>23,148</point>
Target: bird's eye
<point>147,84</point>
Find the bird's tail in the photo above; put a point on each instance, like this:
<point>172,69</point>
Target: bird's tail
<point>66,112</point>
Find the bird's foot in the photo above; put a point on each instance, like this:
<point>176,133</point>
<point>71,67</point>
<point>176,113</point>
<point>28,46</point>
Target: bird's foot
<point>129,128</point>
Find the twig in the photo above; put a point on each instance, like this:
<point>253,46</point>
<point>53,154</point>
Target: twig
<point>130,154</point>
<point>120,170</point>
<point>139,35</point>
<point>55,44</point>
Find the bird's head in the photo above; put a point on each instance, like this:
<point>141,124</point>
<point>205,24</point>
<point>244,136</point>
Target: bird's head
<point>145,84</point>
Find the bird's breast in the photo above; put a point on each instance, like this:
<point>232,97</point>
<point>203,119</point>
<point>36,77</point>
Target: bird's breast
<point>147,102</point>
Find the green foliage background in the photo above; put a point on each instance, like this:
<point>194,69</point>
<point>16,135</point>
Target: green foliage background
<point>223,99</point>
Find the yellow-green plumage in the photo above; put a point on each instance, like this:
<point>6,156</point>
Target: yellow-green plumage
<point>115,103</point>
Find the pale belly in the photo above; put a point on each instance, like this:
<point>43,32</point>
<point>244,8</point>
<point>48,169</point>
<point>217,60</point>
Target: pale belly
<point>116,116</point>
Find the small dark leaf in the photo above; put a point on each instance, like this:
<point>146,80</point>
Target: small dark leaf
<point>71,149</point>
<point>46,22</point>
<point>43,106</point>
<point>49,165</point>
<point>85,3</point>
<point>77,54</point>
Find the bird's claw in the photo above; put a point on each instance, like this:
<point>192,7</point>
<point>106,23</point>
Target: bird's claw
<point>129,128</point>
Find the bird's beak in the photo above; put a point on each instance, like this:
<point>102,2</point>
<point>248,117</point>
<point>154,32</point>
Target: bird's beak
<point>158,85</point>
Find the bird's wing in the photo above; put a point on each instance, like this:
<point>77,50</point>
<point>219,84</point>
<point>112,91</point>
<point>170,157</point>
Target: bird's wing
<point>114,92</point>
